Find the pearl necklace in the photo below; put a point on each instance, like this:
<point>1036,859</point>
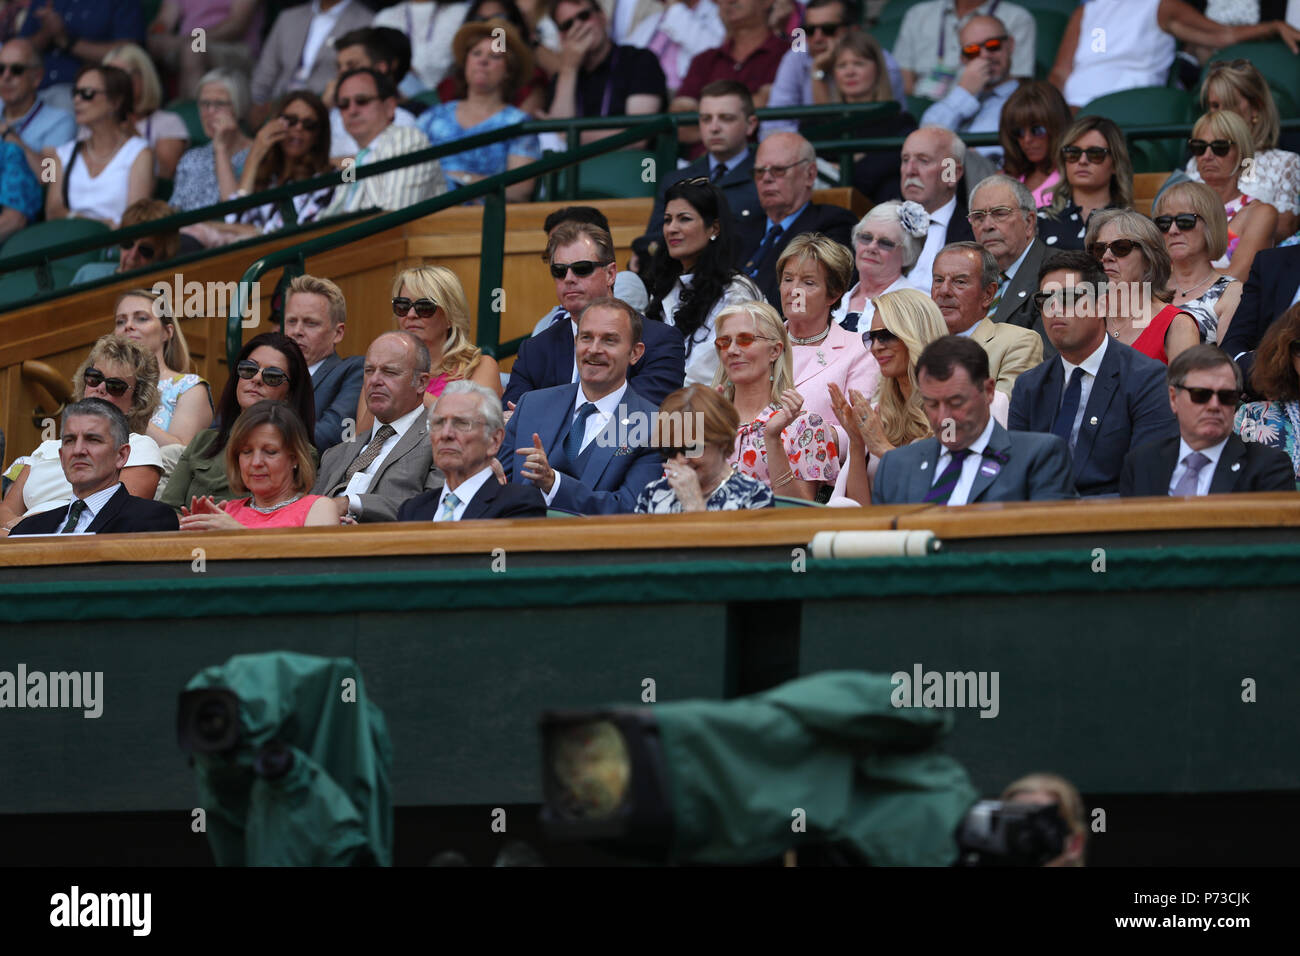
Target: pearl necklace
<point>812,339</point>
<point>272,508</point>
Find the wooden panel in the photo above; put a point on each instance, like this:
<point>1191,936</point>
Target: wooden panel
<point>1145,187</point>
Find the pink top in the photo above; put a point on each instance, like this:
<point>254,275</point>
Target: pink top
<point>290,516</point>
<point>1043,194</point>
<point>840,358</point>
<point>809,444</point>
<point>436,385</point>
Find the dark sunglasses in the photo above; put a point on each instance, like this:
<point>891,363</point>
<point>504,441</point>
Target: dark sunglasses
<point>140,245</point>
<point>1120,247</point>
<point>582,17</point>
<point>866,239</point>
<point>880,337</point>
<point>94,378</point>
<point>1220,147</point>
<point>271,376</point>
<point>1095,154</point>
<point>308,124</point>
<point>13,69</point>
<point>1185,221</point>
<point>424,308</point>
<point>1228,397</point>
<point>992,44</point>
<point>361,99</point>
<point>825,29</point>
<point>582,268</point>
<point>743,339</point>
<point>86,93</point>
<point>1020,132</point>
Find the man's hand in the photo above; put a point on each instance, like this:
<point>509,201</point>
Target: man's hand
<point>535,467</point>
<point>975,77</point>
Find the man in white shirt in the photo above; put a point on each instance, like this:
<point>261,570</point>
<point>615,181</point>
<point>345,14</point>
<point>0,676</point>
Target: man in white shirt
<point>931,169</point>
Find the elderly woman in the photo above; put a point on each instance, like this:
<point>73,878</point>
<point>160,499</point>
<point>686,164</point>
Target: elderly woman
<point>697,473</point>
<point>1276,376</point>
<point>757,377</point>
<point>1224,153</point>
<point>1196,233</point>
<point>270,366</point>
<point>1033,121</point>
<point>1131,250</point>
<point>691,277</point>
<point>123,374</point>
<point>141,252</point>
<point>269,459</point>
<point>208,174</point>
<point>163,130</point>
<point>1096,173</point>
<point>886,244</point>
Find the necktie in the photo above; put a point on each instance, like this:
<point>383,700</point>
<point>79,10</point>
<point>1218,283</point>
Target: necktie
<point>74,515</point>
<point>367,456</point>
<point>942,490</point>
<point>449,506</point>
<point>573,442</point>
<point>561,316</point>
<point>719,171</point>
<point>1187,484</point>
<point>764,247</point>
<point>1063,425</point>
<point>1003,282</point>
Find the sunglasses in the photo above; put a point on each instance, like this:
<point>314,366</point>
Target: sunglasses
<point>1220,147</point>
<point>743,339</point>
<point>866,239</point>
<point>94,378</point>
<point>424,308</point>
<point>582,17</point>
<point>308,124</point>
<point>1228,397</point>
<point>142,247</point>
<point>1095,154</point>
<point>271,376</point>
<point>1120,248</point>
<point>1020,132</point>
<point>582,268</point>
<point>881,337</point>
<point>825,29</point>
<point>992,44</point>
<point>86,93</point>
<point>13,69</point>
<point>361,99</point>
<point>1185,221</point>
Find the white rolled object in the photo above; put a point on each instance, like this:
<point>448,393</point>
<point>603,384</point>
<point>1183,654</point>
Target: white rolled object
<point>874,544</point>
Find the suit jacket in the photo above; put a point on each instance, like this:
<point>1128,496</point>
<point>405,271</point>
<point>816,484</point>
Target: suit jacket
<point>613,477</point>
<point>737,184</point>
<point>337,386</point>
<point>492,500</point>
<point>546,360</point>
<point>1128,406</point>
<point>1011,349</point>
<point>1017,305</point>
<point>277,65</point>
<point>1243,466</point>
<point>959,229</point>
<point>407,471</point>
<point>832,221</point>
<point>1019,466</point>
<point>124,512</point>
<point>1270,287</point>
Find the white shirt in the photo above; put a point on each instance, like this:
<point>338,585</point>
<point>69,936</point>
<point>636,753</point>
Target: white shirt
<point>868,312</point>
<point>360,482</point>
<point>969,468</point>
<point>1206,474</point>
<point>702,360</point>
<point>935,239</point>
<point>1091,365</point>
<point>464,493</point>
<point>94,504</point>
<point>692,31</point>
<point>318,30</point>
<point>595,424</point>
<point>311,369</point>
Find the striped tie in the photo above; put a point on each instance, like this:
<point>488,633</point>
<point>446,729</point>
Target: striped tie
<point>449,506</point>
<point>942,490</point>
<point>1003,281</point>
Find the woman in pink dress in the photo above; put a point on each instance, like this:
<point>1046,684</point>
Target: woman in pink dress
<point>268,458</point>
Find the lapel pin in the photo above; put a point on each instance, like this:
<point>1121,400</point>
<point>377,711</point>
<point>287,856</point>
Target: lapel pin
<point>925,465</point>
<point>1236,466</point>
<point>1022,293</point>
<point>1093,420</point>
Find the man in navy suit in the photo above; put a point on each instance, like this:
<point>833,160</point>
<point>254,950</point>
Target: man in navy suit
<point>315,316</point>
<point>94,450</point>
<point>1102,396</point>
<point>583,257</point>
<point>586,445</point>
<point>1205,458</point>
<point>465,430</point>
<point>785,168</point>
<point>970,457</point>
<point>1272,287</point>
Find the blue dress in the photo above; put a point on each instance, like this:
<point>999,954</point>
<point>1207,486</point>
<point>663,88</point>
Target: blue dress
<point>439,124</point>
<point>18,187</point>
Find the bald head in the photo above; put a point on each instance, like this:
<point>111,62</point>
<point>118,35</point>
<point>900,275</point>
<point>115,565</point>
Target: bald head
<point>789,166</point>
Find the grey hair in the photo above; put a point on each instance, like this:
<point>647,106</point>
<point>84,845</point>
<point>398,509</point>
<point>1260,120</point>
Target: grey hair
<point>100,409</point>
<point>488,401</point>
<point>888,212</point>
<point>236,85</point>
<point>956,148</point>
<point>990,274</point>
<point>1024,198</point>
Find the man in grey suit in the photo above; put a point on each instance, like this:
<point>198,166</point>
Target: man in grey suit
<point>315,316</point>
<point>370,476</point>
<point>1005,222</point>
<point>970,458</point>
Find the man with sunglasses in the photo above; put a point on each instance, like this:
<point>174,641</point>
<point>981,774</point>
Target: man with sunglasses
<point>974,104</point>
<point>360,49</point>
<point>27,122</point>
<point>929,45</point>
<point>1205,388</point>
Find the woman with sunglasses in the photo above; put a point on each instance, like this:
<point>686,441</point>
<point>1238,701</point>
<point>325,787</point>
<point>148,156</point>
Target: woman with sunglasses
<point>757,376</point>
<point>1276,376</point>
<point>1224,154</point>
<point>209,174</point>
<point>1195,230</point>
<point>1131,250</point>
<point>163,130</point>
<point>99,176</point>
<point>691,276</point>
<point>270,459</point>
<point>886,244</point>
<point>123,374</point>
<point>270,366</point>
<point>142,252</point>
<point>1096,173</point>
<point>1033,120</point>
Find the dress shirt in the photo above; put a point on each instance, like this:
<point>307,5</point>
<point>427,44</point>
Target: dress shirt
<point>400,428</point>
<point>464,492</point>
<point>732,163</point>
<point>1206,475</point>
<point>961,112</point>
<point>94,504</point>
<point>341,141</point>
<point>318,30</point>
<point>311,369</point>
<point>44,125</point>
<point>1091,365</point>
<point>868,310</point>
<point>969,468</point>
<point>595,424</point>
<point>936,238</point>
<point>687,31</point>
<point>1004,282</point>
<point>396,189</point>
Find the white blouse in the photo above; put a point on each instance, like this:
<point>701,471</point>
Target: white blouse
<point>1274,179</point>
<point>46,486</point>
<point>701,356</point>
<point>102,196</point>
<point>841,311</point>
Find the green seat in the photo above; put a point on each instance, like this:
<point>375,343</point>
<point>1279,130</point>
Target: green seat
<point>188,110</point>
<point>620,175</point>
<point>1050,29</point>
<point>886,33</point>
<point>1063,7</point>
<point>1286,104</point>
<point>17,287</point>
<point>43,235</point>
<point>917,105</point>
<point>1143,106</point>
<point>1279,65</point>
<point>427,97</point>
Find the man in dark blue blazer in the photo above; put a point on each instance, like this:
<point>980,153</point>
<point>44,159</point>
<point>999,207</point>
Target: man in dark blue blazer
<point>1270,289</point>
<point>547,360</point>
<point>315,316</point>
<point>586,445</point>
<point>1099,395</point>
<point>970,458</point>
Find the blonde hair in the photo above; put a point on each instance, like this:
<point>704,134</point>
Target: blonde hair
<point>835,260</point>
<point>176,350</point>
<point>914,318</point>
<point>460,356</point>
<point>1068,800</point>
<point>1230,126</point>
<point>143,365</point>
<point>128,56</point>
<point>1206,203</point>
<point>327,290</point>
<point>1239,79</point>
<point>767,321</point>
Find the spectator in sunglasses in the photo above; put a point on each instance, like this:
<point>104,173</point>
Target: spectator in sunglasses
<point>929,45</point>
<point>269,366</point>
<point>1275,376</point>
<point>1095,173</point>
<point>125,375</point>
<point>1030,129</point>
<point>1206,458</point>
<point>974,103</point>
<point>163,130</point>
<point>363,49</point>
<point>886,244</point>
<point>1190,217</point>
<point>28,122</point>
<point>142,252</point>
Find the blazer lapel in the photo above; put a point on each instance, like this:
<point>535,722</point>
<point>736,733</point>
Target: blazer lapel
<point>560,422</point>
<point>922,477</point>
<point>602,448</point>
<point>1103,390</point>
<point>1023,284</point>
<point>562,353</point>
<point>417,433</point>
<point>1156,482</point>
<point>999,445</point>
<point>110,510</point>
<point>1229,468</point>
<point>482,500</point>
<point>1043,412</point>
<point>330,361</point>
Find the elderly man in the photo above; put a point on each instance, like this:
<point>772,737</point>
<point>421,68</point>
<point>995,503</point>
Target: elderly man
<point>1005,222</point>
<point>368,101</point>
<point>466,429</point>
<point>315,316</point>
<point>970,457</point>
<point>931,169</point>
<point>370,476</point>
<point>581,258</point>
<point>1102,397</point>
<point>974,104</point>
<point>1206,458</point>
<point>94,450</point>
<point>27,122</point>
<point>965,282</point>
<point>928,46</point>
<point>595,456</point>
<point>785,169</point>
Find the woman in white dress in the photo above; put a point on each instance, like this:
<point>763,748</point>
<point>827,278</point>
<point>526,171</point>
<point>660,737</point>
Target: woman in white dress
<point>163,130</point>
<point>886,244</point>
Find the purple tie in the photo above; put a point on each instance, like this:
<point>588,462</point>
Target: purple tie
<point>1187,485</point>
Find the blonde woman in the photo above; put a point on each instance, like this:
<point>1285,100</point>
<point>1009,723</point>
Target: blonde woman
<point>1195,230</point>
<point>429,302</point>
<point>1224,152</point>
<point>164,130</point>
<point>1095,172</point>
<point>756,374</point>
